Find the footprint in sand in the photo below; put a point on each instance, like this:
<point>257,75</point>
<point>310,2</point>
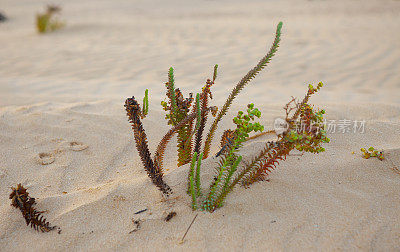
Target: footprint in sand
<point>77,146</point>
<point>45,158</point>
<point>2,173</point>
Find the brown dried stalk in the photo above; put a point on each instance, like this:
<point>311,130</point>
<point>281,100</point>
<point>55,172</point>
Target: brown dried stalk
<point>204,105</point>
<point>154,172</point>
<point>20,199</point>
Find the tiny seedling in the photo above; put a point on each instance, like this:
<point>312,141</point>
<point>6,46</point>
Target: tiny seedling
<point>371,152</point>
<point>49,21</point>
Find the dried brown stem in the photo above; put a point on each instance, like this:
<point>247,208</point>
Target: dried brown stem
<point>20,199</point>
<point>154,172</point>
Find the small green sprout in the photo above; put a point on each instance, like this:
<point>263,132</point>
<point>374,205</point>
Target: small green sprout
<point>48,21</point>
<point>371,152</point>
<point>145,109</point>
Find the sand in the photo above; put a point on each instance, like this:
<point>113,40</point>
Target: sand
<point>65,136</point>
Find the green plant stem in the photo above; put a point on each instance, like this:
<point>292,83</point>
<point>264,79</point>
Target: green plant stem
<point>146,103</point>
<point>171,87</point>
<point>242,83</point>
<point>198,185</point>
<point>225,190</point>
<point>210,202</point>
<point>192,189</point>
<point>215,72</point>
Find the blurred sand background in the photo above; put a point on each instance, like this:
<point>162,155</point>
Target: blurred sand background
<point>61,102</point>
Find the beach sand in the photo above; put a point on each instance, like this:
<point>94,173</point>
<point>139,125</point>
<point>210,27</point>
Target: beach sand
<point>64,133</point>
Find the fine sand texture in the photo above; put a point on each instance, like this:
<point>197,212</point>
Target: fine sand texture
<point>64,133</point>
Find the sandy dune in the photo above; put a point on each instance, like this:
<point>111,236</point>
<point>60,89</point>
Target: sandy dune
<point>64,133</point>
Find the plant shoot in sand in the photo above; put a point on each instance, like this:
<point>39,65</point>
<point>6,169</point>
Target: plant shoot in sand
<point>20,199</point>
<point>48,21</point>
<point>187,118</point>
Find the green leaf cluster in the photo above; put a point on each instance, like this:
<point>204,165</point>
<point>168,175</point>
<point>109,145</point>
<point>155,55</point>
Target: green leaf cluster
<point>372,152</point>
<point>309,133</point>
<point>228,163</point>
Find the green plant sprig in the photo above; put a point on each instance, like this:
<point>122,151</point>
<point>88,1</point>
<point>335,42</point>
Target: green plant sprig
<point>242,83</point>
<point>145,109</point>
<point>372,152</point>
<point>192,190</point>
<point>194,187</point>
<point>171,90</point>
<point>229,162</point>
